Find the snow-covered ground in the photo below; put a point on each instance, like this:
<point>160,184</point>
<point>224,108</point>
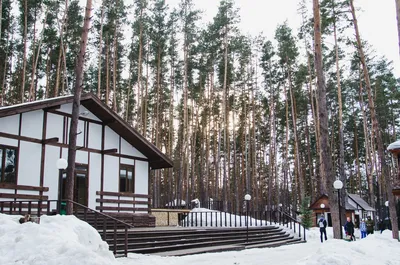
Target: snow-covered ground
<point>65,240</point>
<point>203,217</point>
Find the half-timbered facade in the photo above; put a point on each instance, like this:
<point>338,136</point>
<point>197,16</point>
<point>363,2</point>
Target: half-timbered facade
<point>113,160</point>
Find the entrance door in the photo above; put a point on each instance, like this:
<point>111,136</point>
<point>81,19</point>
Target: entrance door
<point>80,185</point>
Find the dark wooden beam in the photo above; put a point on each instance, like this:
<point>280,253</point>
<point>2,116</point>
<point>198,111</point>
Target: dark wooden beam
<point>56,107</point>
<point>109,121</point>
<point>50,140</point>
<point>109,151</point>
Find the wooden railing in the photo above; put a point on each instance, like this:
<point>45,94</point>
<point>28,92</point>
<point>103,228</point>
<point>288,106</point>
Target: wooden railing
<point>122,202</point>
<point>10,186</point>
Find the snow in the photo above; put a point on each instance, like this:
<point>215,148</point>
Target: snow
<point>393,146</point>
<point>57,240</point>
<point>65,240</point>
<point>375,249</point>
<point>203,217</point>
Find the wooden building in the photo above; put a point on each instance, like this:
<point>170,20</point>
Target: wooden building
<point>113,161</point>
<point>355,206</point>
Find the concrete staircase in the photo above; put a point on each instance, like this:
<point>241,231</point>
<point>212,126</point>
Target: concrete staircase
<point>167,241</point>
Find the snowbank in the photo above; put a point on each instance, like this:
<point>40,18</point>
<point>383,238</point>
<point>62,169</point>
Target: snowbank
<point>61,240</point>
<point>376,249</point>
<point>203,217</point>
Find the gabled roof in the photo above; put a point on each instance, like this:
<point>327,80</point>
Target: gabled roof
<point>316,204</point>
<point>360,202</point>
<point>156,158</point>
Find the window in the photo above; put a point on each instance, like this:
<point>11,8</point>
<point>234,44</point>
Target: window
<point>8,164</point>
<point>126,178</point>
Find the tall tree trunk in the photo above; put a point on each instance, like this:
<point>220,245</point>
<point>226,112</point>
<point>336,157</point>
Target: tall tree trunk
<point>115,61</point>
<point>375,126</point>
<point>75,107</point>
<point>342,175</point>
<point>398,20</point>
<point>107,96</point>
<point>25,51</point>
<point>1,15</point>
<point>325,152</point>
<point>61,54</point>
<point>139,120</point>
<point>100,52</point>
<point>225,109</point>
<point>298,173</point>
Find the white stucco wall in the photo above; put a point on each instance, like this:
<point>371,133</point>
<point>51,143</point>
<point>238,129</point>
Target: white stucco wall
<point>94,179</point>
<point>81,157</point>
<point>111,139</point>
<point>8,141</point>
<point>141,177</point>
<point>29,164</point>
<point>94,136</point>
<point>128,149</point>
<point>10,124</point>
<point>111,173</point>
<point>81,132</point>
<point>51,173</point>
<point>32,124</point>
<point>55,126</point>
<point>127,161</point>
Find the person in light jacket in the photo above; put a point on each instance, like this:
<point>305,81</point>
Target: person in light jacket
<point>363,229</point>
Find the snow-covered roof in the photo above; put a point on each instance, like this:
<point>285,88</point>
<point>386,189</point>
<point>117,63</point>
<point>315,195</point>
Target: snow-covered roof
<point>360,202</point>
<point>28,103</point>
<point>394,146</point>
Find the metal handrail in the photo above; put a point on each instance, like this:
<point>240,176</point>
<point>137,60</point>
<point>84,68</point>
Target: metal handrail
<point>100,213</point>
<point>283,215</point>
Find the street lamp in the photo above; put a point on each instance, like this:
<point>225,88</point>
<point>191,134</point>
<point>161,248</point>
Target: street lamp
<point>338,185</point>
<point>61,164</point>
<point>387,209</point>
<point>247,198</point>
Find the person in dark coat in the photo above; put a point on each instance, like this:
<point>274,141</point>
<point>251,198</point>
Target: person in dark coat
<point>381,225</point>
<point>370,225</point>
<point>322,228</point>
<point>349,228</point>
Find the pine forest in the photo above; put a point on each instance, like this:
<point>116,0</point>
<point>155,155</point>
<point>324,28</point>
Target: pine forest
<point>236,113</point>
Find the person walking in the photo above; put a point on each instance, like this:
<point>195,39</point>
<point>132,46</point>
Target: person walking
<point>349,228</point>
<point>322,228</point>
<point>363,228</point>
<point>381,226</point>
<point>370,225</point>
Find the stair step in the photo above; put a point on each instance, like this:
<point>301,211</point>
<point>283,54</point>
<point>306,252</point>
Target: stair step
<point>275,244</point>
<point>202,250</point>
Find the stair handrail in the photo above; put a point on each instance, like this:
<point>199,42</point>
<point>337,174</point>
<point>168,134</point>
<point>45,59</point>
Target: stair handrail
<point>100,213</point>
<point>283,216</point>
<point>104,230</point>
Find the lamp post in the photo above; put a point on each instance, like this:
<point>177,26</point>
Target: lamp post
<point>247,198</point>
<point>61,164</point>
<point>338,185</point>
<point>388,213</point>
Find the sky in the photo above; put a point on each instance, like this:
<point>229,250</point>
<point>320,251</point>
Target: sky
<point>377,20</point>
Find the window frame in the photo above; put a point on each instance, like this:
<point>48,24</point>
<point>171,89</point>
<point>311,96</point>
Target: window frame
<point>3,162</point>
<point>127,168</point>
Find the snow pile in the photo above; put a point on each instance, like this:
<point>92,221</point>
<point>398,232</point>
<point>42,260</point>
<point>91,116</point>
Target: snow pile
<point>203,217</point>
<point>57,240</point>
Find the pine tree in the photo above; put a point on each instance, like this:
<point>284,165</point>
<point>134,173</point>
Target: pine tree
<point>306,213</point>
